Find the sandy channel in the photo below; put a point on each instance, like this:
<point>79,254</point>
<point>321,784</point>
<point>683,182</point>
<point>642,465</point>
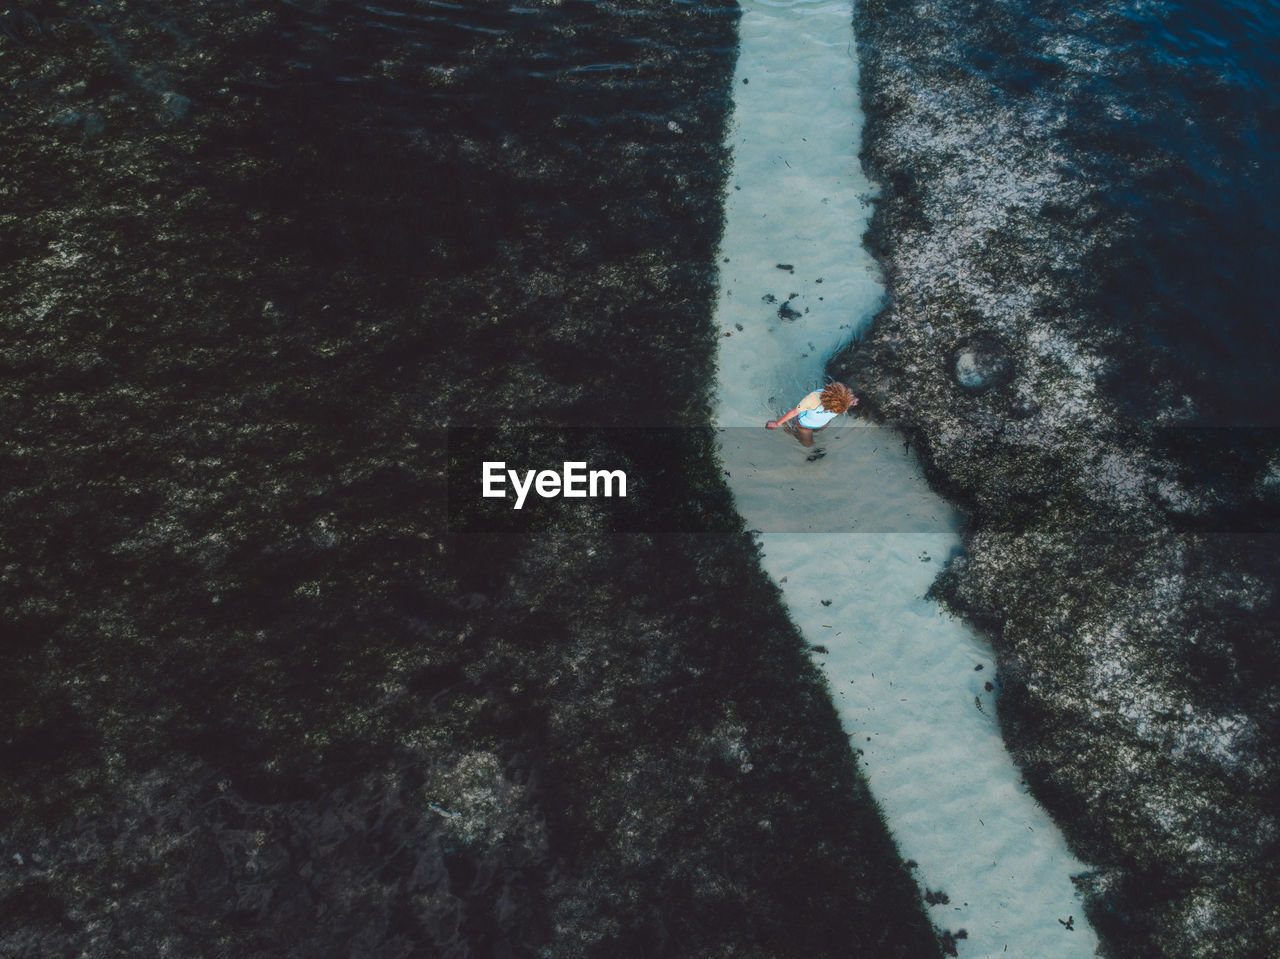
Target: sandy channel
<point>855,537</point>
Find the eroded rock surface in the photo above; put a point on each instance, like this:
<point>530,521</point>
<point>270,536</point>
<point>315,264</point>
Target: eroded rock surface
<point>1119,554</point>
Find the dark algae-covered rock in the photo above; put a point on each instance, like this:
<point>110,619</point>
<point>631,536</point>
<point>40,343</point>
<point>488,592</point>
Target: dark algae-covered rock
<point>1121,545</point>
<point>261,698</point>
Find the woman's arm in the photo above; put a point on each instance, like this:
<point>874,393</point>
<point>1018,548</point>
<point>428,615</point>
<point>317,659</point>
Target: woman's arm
<point>774,424</point>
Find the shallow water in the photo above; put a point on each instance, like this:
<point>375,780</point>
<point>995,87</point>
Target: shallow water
<point>854,537</point>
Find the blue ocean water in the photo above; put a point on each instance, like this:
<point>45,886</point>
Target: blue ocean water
<point>1186,140</point>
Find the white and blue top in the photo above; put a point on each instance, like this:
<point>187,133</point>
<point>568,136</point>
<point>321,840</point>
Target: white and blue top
<point>812,415</point>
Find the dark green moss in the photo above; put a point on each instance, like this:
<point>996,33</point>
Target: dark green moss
<point>267,702</point>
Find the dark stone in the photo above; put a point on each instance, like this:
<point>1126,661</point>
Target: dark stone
<point>948,944</point>
<point>174,105</point>
<point>981,363</point>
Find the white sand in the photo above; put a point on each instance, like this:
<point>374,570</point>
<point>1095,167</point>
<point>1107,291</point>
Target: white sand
<point>859,527</point>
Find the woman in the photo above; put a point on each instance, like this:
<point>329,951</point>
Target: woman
<point>816,410</point>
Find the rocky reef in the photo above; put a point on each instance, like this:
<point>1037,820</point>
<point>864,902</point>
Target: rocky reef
<point>1120,547</point>
<point>261,699</point>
